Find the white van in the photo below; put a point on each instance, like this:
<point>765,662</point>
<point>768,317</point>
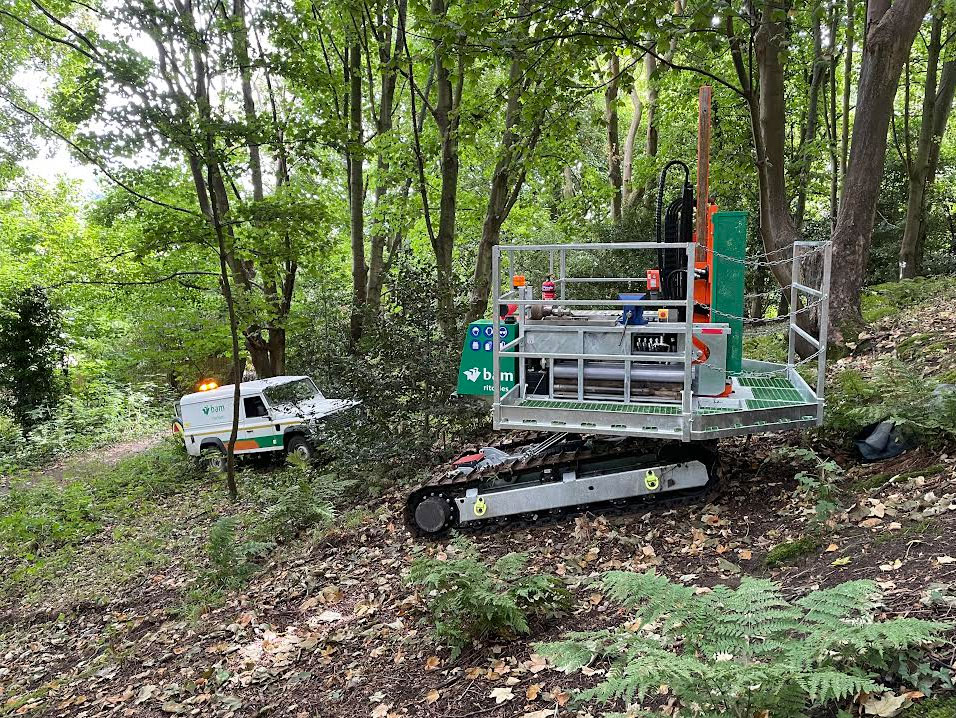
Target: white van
<point>274,415</point>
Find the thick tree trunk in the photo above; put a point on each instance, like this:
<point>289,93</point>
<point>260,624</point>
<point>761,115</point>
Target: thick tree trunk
<point>937,101</point>
<point>777,228</point>
<point>890,31</point>
<point>356,192</point>
<point>613,137</point>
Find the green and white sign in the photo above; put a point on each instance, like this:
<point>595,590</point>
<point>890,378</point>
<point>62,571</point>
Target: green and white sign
<point>475,372</point>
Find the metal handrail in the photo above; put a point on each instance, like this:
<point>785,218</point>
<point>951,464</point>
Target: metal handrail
<point>562,281</point>
<point>596,245</point>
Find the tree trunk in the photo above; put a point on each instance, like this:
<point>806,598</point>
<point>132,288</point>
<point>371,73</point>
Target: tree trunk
<point>447,118</point>
<point>631,195</point>
<point>388,59</point>
<point>356,192</point>
<point>567,184</point>
<point>847,84</point>
<point>650,144</point>
<point>507,180</point>
<point>240,45</point>
<point>805,151</point>
<point>918,170</point>
<point>613,137</point>
<point>890,31</point>
<point>777,228</point>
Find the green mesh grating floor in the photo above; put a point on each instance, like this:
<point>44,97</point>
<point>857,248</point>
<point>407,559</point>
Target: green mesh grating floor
<point>761,404</point>
<point>774,394</point>
<point>601,406</point>
<point>765,382</point>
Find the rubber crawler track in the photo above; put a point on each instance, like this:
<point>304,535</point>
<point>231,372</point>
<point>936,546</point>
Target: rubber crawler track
<point>451,485</point>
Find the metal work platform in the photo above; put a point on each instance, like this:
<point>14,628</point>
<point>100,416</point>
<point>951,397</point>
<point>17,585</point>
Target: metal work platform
<point>595,378</point>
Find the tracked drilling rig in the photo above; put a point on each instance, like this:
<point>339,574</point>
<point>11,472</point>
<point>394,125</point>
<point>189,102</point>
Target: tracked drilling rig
<point>625,380</point>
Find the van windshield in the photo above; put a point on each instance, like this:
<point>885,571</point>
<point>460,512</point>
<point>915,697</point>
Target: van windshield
<point>292,392</point>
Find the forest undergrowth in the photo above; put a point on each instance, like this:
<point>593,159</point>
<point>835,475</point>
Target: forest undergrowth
<point>142,590</point>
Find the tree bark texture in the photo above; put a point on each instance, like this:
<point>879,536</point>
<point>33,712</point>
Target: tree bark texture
<point>356,192</point>
<point>388,60</point>
<point>936,105</point>
<point>514,153</point>
<point>890,31</point>
<point>613,137</point>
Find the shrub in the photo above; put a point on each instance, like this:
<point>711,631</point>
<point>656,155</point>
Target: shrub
<point>32,350</point>
<point>742,652</point>
<point>40,518</point>
<point>98,413</point>
<point>233,561</point>
<point>469,600</point>
<point>293,509</point>
<point>891,391</point>
<point>402,371</point>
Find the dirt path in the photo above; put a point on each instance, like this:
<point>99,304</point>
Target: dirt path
<point>86,462</point>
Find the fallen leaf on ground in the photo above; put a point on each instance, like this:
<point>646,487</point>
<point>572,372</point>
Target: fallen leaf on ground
<point>431,663</point>
<point>501,694</point>
<point>532,691</point>
<point>433,695</point>
<point>885,705</point>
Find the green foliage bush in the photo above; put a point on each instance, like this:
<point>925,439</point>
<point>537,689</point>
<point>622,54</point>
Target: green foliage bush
<point>32,350</point>
<point>96,413</point>
<point>741,652</point>
<point>293,509</point>
<point>468,599</point>
<point>891,391</point>
<point>232,560</point>
<point>36,519</point>
<point>402,370</point>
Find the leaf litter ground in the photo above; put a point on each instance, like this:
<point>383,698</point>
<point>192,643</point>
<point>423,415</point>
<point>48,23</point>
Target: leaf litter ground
<point>328,627</point>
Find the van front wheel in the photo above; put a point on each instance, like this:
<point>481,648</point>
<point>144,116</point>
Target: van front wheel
<point>213,458</point>
<point>299,447</point>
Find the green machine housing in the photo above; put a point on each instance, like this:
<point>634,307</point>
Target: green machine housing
<point>727,286</point>
<point>475,371</point>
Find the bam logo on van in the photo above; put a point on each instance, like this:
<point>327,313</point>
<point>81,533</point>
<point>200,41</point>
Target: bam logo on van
<point>218,409</point>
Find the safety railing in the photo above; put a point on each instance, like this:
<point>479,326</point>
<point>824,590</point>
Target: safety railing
<point>519,350</point>
<point>817,296</point>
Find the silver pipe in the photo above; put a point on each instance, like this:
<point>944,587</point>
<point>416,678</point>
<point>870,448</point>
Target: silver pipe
<point>610,371</point>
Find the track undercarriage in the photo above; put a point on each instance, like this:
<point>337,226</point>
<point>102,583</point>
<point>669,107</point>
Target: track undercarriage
<point>529,481</point>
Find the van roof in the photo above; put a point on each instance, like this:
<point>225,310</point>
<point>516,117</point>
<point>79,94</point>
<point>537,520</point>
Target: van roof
<point>245,388</point>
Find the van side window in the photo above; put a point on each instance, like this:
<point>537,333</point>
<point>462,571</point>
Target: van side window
<point>254,406</point>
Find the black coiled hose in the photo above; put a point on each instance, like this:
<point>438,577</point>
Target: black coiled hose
<point>669,227</point>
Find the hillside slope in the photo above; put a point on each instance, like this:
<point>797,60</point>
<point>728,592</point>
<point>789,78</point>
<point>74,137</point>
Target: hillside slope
<point>118,618</point>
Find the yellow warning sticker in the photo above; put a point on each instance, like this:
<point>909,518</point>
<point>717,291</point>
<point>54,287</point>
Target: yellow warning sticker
<point>651,481</point>
<point>480,507</point>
